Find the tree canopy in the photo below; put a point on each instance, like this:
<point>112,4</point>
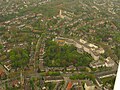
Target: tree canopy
<point>1,46</point>
<point>19,57</point>
<point>66,55</point>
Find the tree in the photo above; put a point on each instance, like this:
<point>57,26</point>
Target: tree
<point>32,84</point>
<point>19,57</point>
<point>57,55</point>
<point>1,46</point>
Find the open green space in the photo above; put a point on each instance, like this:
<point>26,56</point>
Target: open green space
<point>66,55</point>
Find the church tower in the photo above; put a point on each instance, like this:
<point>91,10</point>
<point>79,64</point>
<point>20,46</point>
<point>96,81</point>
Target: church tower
<point>60,14</point>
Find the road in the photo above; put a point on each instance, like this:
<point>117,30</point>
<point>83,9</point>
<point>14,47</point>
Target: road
<point>66,79</point>
<point>36,51</point>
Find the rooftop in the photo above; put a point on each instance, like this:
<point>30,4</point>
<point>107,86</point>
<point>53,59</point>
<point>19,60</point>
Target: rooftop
<point>89,83</point>
<point>69,86</point>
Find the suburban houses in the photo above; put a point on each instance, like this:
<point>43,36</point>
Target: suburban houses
<point>92,49</point>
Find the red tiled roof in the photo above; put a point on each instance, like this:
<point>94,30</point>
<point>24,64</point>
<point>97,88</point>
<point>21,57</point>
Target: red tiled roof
<point>69,86</point>
<point>15,82</point>
<point>1,71</point>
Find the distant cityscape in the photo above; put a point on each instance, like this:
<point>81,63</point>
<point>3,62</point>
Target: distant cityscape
<point>59,44</point>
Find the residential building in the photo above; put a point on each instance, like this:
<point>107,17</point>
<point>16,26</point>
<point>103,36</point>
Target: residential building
<point>83,41</point>
<point>91,49</point>
<point>69,86</point>
<point>95,55</point>
<point>79,50</point>
<point>89,85</point>
<point>55,68</point>
<point>2,74</point>
<point>70,68</point>
<point>53,79</point>
<point>86,49</point>
<point>92,46</point>
<point>77,85</point>
<point>100,50</point>
<point>97,64</point>
<point>109,62</point>
<point>15,83</point>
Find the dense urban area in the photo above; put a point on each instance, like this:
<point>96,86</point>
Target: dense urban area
<point>59,44</point>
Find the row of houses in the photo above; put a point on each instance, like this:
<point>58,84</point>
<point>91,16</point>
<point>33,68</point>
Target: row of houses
<point>66,15</point>
<point>67,69</point>
<point>82,45</point>
<point>53,79</point>
<point>78,85</point>
<point>2,74</point>
<point>108,62</point>
<point>72,84</point>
